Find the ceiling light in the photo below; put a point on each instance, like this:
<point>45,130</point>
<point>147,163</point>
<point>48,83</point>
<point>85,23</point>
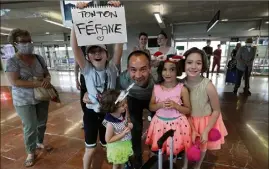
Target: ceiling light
<point>4,11</point>
<point>213,21</point>
<point>4,34</point>
<point>251,29</point>
<point>267,22</point>
<point>5,28</point>
<point>59,40</point>
<point>55,23</point>
<point>224,20</point>
<point>212,25</point>
<point>47,33</point>
<point>158,17</point>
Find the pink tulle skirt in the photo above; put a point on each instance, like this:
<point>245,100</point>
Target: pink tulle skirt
<point>200,124</point>
<point>182,135</point>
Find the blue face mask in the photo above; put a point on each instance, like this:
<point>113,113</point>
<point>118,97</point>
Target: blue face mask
<point>25,48</point>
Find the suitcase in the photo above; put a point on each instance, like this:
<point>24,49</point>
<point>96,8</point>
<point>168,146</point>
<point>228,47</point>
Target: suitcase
<point>156,162</point>
<point>230,76</point>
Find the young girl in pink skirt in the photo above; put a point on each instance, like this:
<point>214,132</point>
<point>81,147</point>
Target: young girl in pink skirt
<point>205,104</point>
<point>170,100</point>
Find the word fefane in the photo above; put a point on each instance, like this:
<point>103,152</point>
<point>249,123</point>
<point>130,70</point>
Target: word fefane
<point>86,14</point>
<point>99,28</point>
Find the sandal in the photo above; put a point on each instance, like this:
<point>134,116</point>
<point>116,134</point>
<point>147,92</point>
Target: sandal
<point>42,146</point>
<point>29,162</point>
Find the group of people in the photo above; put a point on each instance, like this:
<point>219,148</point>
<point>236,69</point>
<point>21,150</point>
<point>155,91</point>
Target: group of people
<point>189,106</point>
<point>241,62</point>
<point>118,119</point>
<point>216,57</point>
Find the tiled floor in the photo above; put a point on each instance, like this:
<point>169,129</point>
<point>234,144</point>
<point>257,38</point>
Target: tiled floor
<point>246,119</point>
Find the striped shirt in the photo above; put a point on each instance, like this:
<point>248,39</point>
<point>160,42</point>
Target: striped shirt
<point>119,124</point>
<point>25,96</point>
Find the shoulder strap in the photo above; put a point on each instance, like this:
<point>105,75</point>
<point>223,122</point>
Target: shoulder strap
<point>37,57</point>
<point>43,66</point>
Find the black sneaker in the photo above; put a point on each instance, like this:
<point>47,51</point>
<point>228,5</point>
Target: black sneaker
<point>128,165</point>
<point>180,155</point>
<point>248,93</point>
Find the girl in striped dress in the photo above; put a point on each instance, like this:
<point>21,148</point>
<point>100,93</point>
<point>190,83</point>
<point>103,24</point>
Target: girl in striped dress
<point>118,128</point>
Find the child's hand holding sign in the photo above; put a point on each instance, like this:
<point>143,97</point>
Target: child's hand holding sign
<point>99,24</point>
<point>82,5</point>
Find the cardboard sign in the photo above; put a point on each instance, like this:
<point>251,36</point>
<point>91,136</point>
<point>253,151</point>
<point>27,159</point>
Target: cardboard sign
<point>99,25</point>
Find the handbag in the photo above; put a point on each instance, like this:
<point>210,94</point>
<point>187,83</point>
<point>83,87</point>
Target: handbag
<point>43,94</point>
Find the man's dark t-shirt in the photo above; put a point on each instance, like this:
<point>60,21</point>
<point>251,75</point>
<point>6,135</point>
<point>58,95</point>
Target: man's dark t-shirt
<point>208,50</point>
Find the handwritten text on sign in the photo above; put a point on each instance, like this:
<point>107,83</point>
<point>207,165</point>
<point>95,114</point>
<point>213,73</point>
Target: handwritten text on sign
<point>99,25</point>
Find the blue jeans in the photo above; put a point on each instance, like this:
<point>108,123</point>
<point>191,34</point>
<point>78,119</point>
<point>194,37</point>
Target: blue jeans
<point>34,119</point>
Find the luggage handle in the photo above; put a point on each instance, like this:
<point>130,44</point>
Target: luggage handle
<point>165,136</point>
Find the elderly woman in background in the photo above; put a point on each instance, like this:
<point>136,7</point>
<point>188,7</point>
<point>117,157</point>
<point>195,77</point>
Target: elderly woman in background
<point>21,70</point>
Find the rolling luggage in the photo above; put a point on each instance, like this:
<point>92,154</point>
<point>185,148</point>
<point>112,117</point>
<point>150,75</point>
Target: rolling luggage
<point>157,162</point>
<point>230,76</point>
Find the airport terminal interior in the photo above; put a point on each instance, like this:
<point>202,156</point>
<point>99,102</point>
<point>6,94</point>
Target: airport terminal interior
<point>187,24</point>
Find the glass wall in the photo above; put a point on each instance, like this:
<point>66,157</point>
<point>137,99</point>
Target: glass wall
<point>261,62</point>
<point>7,51</point>
<point>57,56</point>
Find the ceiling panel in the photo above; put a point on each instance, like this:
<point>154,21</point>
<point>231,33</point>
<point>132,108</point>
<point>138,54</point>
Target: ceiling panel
<point>35,26</point>
<point>30,15</point>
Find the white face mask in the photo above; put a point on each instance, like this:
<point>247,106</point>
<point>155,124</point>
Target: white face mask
<point>248,44</point>
<point>25,48</point>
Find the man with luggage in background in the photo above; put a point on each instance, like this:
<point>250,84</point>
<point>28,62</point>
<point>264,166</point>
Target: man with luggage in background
<point>245,57</point>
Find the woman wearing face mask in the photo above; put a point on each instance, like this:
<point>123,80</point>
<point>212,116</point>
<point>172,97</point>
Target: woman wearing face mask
<point>21,70</point>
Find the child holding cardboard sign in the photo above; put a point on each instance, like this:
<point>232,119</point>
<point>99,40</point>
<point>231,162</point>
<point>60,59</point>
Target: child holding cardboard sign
<point>100,75</point>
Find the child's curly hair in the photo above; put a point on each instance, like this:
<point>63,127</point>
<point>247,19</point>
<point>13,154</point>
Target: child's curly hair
<point>107,102</point>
